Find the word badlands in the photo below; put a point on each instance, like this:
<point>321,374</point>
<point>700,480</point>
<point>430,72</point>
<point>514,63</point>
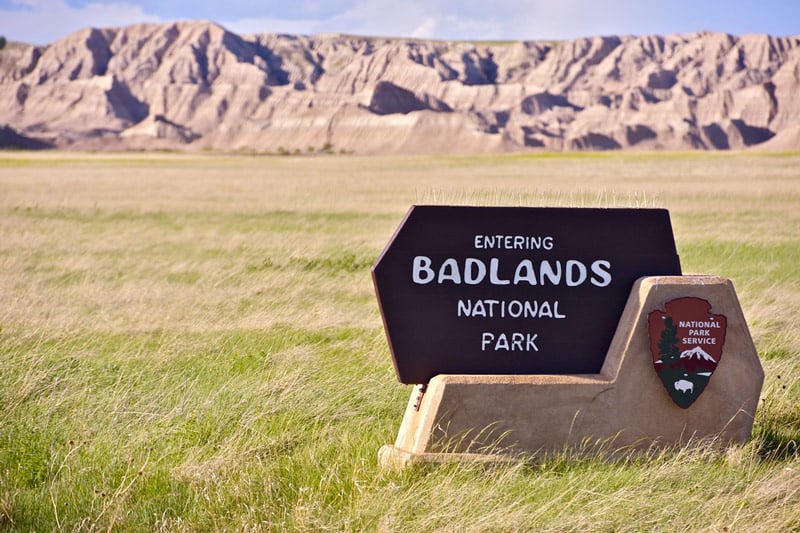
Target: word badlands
<point>571,272</point>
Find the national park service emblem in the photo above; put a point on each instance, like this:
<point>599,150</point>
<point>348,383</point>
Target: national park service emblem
<point>686,343</point>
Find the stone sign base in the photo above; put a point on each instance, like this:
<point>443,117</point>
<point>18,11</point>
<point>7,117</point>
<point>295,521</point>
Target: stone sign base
<point>624,407</point>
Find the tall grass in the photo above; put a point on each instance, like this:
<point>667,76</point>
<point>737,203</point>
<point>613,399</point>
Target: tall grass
<point>192,343</point>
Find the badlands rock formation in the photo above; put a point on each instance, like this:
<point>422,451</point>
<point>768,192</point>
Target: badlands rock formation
<point>196,85</point>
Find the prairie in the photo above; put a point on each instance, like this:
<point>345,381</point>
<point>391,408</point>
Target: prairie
<point>192,342</point>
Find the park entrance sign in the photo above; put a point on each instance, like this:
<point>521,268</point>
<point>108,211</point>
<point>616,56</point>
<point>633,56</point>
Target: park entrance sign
<point>535,330</point>
<point>514,290</point>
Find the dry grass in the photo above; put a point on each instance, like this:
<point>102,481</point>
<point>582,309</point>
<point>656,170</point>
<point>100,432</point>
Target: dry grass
<point>193,343</point>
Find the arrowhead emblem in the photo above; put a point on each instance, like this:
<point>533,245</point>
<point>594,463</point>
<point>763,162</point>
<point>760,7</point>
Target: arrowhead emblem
<point>686,342</point>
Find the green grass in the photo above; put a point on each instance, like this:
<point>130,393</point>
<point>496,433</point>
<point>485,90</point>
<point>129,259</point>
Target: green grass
<point>192,343</point>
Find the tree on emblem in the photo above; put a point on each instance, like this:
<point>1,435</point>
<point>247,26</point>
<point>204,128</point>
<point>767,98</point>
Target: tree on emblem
<point>671,369</point>
<point>668,345</point>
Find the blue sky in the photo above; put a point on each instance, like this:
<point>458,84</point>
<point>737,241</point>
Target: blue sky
<point>43,21</point>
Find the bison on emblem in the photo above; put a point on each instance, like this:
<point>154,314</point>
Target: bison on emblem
<point>684,386</point>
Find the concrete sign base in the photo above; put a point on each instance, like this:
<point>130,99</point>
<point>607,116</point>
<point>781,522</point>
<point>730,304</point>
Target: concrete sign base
<point>624,407</point>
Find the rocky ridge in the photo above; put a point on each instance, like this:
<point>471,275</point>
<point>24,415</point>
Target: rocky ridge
<point>195,85</point>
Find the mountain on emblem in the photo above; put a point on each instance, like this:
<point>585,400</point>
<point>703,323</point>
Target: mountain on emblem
<point>676,335</point>
<point>697,352</point>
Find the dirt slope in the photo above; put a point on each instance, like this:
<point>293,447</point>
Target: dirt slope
<point>196,85</point>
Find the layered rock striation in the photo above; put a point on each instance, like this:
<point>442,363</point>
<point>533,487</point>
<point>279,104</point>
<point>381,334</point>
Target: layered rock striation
<point>196,85</point>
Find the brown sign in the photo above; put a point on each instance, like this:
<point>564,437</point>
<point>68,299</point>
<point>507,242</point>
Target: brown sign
<point>686,341</point>
<point>503,290</point>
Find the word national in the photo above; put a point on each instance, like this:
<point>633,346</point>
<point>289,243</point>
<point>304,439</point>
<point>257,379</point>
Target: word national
<point>508,309</point>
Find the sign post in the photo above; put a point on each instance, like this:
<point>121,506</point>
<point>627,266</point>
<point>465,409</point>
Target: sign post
<point>532,324</point>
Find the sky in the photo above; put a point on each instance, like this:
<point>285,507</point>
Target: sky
<point>44,21</point>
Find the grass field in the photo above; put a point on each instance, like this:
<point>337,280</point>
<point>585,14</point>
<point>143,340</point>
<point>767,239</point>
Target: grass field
<point>192,343</point>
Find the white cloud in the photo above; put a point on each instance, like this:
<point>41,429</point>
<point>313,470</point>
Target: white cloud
<point>44,21</point>
<point>468,19</point>
<point>28,3</point>
<point>388,18</point>
<point>272,25</point>
<point>455,27</point>
<point>573,18</point>
<point>426,30</point>
<point>446,19</point>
